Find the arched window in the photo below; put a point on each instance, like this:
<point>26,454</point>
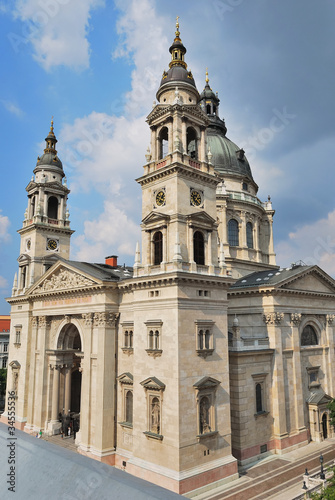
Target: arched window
<point>233,237</point>
<point>192,145</point>
<point>163,143</point>
<point>199,248</point>
<point>158,248</point>
<point>308,336</point>
<point>259,403</point>
<point>250,238</point>
<point>204,415</point>
<point>129,407</point>
<point>207,339</point>
<point>53,208</point>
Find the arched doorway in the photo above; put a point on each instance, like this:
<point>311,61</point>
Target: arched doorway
<point>68,359</point>
<point>324,426</point>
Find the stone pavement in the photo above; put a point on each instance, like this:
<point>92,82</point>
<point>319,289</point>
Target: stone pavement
<point>278,477</point>
<point>66,442</point>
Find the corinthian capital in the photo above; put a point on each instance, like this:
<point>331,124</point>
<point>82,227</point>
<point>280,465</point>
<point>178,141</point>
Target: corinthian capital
<point>273,318</point>
<point>296,318</point>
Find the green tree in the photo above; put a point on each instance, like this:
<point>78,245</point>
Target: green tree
<point>329,492</point>
<point>331,407</point>
<point>3,381</point>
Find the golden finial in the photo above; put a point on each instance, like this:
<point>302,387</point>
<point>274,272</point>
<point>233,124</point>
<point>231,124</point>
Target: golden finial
<point>207,79</point>
<point>177,26</point>
<point>52,124</point>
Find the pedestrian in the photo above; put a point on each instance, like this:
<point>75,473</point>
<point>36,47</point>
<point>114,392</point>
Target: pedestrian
<point>40,434</point>
<point>69,431</point>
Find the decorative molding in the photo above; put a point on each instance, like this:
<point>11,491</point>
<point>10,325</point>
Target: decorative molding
<point>105,319</point>
<point>34,321</point>
<point>63,280</point>
<point>330,318</point>
<point>88,318</point>
<point>43,321</point>
<point>273,318</point>
<point>296,318</point>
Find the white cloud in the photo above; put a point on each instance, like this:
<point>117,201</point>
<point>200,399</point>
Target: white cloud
<point>57,29</point>
<point>12,108</point>
<point>113,232</point>
<point>142,38</point>
<point>312,243</point>
<point>105,152</point>
<point>4,225</point>
<point>3,283</point>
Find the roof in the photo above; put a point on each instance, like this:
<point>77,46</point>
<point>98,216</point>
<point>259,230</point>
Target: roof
<point>45,470</point>
<point>268,277</point>
<point>4,323</point>
<point>103,272</point>
<point>226,159</point>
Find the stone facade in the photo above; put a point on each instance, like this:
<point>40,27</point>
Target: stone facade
<point>203,355</point>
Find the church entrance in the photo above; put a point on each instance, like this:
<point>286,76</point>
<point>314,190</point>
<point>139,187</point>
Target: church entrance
<point>66,381</point>
<point>324,426</point>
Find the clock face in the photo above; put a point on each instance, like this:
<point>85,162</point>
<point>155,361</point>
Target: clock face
<point>160,198</point>
<point>28,245</point>
<point>52,244</point>
<point>196,198</point>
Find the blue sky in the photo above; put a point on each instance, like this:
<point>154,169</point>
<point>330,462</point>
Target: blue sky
<point>95,66</point>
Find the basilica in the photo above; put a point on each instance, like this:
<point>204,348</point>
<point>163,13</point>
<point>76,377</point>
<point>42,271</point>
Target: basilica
<point>204,355</point>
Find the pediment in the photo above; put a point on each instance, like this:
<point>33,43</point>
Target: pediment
<point>318,398</point>
<point>153,383</point>
<point>126,378</point>
<point>155,217</point>
<point>206,383</point>
<point>60,277</point>
<point>315,280</point>
<point>201,218</point>
<point>24,258</point>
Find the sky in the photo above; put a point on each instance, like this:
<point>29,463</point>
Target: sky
<point>95,66</point>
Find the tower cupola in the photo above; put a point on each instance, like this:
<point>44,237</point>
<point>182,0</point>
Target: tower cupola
<point>177,75</point>
<point>49,159</point>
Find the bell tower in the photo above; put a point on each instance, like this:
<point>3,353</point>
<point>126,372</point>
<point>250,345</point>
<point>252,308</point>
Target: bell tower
<point>45,233</point>
<point>176,302</point>
<point>179,227</point>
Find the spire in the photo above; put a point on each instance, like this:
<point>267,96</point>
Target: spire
<point>51,140</point>
<point>177,49</point>
<point>207,79</point>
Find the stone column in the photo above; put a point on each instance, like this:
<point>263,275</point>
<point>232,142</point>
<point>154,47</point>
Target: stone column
<point>272,257</point>
<point>61,215</point>
<point>67,395</point>
<point>298,396</point>
<point>45,204</point>
<point>31,386</point>
<point>165,245</point>
<point>154,155</point>
<point>87,411</point>
<point>183,135</point>
<point>104,328</point>
<point>273,321</point>
<point>256,240</point>
<point>331,358</point>
<point>202,155</point>
<point>55,393</point>
<point>40,375</point>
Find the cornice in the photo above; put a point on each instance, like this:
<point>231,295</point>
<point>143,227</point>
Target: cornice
<point>181,169</point>
<point>45,228</point>
<point>251,352</point>
<point>174,279</point>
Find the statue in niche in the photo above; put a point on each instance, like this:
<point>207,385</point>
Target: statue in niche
<point>155,415</point>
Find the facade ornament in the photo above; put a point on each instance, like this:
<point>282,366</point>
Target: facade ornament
<point>148,155</point>
<point>222,257</point>
<point>43,321</point>
<point>209,156</point>
<point>273,318</point>
<point>34,321</point>
<point>330,318</point>
<point>137,255</point>
<point>296,318</point>
<point>100,319</point>
<point>63,280</point>
<point>177,251</point>
<point>67,319</point>
<point>88,318</point>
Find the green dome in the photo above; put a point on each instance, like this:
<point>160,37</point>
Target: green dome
<point>227,158</point>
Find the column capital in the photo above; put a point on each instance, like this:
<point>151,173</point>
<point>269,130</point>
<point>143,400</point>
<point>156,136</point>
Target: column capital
<point>88,318</point>
<point>105,318</point>
<point>43,321</point>
<point>273,318</point>
<point>330,318</point>
<point>296,318</point>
